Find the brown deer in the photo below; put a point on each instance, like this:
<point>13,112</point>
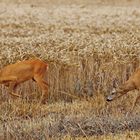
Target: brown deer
<point>131,84</point>
<point>14,74</point>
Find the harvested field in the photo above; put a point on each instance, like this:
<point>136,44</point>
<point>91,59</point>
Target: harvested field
<point>90,47</point>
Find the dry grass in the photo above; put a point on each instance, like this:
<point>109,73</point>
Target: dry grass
<point>90,47</point>
<point>127,135</point>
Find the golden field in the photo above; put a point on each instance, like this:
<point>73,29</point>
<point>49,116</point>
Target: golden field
<point>90,47</point>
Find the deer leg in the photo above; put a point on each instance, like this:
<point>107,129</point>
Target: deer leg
<point>12,87</point>
<point>10,81</point>
<point>43,85</point>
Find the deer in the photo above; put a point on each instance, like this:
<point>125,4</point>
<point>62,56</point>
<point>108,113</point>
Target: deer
<point>14,74</point>
<point>133,83</point>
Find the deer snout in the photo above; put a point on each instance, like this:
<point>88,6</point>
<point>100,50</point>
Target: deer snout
<point>109,98</point>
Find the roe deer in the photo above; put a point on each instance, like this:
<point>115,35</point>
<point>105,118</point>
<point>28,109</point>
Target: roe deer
<point>14,74</point>
<point>131,84</point>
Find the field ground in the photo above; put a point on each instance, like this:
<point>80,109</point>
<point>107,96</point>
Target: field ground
<point>90,47</point>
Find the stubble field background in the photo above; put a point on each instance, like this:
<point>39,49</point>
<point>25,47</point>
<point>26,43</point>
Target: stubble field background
<point>90,47</point>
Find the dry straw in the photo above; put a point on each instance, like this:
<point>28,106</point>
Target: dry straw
<point>89,50</point>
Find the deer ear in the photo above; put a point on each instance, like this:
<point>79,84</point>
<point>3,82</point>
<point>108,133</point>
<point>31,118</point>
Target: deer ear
<point>115,82</point>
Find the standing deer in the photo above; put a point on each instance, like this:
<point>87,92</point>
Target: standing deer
<point>14,74</point>
<point>131,84</point>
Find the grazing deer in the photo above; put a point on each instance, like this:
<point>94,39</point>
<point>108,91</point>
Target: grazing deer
<point>14,74</point>
<point>131,84</point>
